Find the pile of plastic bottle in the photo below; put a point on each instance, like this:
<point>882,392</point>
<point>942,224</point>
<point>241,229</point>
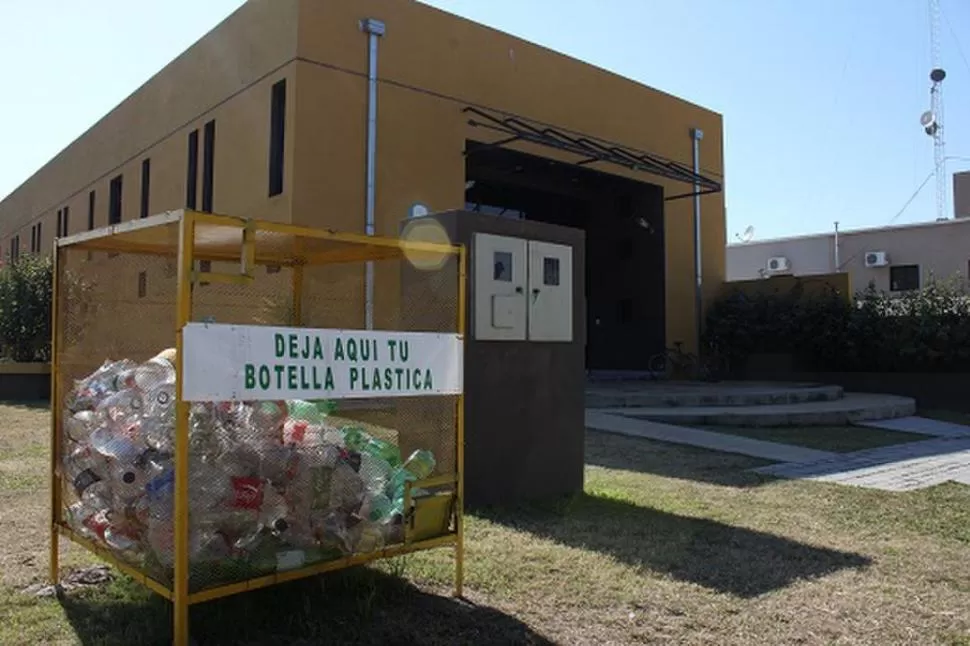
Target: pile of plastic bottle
<point>272,485</point>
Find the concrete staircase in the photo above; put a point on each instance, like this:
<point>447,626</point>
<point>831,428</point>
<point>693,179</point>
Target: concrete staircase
<point>743,403</point>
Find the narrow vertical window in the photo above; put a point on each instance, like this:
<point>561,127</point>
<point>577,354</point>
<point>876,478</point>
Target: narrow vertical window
<point>146,183</point>
<point>91,201</point>
<point>192,178</point>
<point>114,201</point>
<point>208,164</point>
<point>277,134</point>
<point>67,219</point>
<point>60,222</point>
<point>142,284</point>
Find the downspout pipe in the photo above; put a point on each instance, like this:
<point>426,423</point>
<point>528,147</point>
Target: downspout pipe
<point>374,29</point>
<point>696,134</point>
<point>838,265</point>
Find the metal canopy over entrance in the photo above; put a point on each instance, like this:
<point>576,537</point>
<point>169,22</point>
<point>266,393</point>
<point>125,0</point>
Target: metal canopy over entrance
<point>590,148</point>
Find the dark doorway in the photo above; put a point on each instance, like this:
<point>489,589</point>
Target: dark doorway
<point>623,221</point>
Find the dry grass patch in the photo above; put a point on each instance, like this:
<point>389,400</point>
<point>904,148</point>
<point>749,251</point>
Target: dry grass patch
<point>669,545</point>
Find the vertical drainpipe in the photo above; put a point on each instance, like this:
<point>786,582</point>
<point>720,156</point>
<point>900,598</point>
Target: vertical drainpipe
<point>836,244</point>
<point>696,134</point>
<point>374,30</point>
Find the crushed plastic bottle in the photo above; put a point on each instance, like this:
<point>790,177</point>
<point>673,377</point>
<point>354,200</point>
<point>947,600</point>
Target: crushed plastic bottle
<point>272,485</point>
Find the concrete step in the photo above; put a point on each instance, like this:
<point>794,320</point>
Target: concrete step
<point>658,394</point>
<point>851,408</point>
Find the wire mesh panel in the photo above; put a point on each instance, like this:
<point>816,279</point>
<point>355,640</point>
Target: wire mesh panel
<point>309,439</point>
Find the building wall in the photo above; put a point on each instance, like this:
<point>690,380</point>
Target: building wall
<point>961,194</point>
<point>808,256</point>
<point>940,249</point>
<point>224,76</point>
<point>433,64</point>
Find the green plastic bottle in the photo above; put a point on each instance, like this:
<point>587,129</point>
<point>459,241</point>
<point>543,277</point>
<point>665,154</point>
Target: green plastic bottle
<point>384,450</point>
<point>421,464</point>
<point>355,438</point>
<point>304,410</point>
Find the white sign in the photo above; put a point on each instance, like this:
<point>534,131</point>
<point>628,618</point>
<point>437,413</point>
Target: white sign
<point>255,363</point>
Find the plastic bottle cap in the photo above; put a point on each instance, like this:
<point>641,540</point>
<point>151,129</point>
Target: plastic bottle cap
<point>129,477</point>
<point>280,525</point>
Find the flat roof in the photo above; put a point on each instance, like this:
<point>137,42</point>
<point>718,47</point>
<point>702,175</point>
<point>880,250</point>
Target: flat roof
<point>859,231</point>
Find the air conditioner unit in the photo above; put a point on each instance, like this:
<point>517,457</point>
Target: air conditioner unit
<point>876,259</point>
<point>778,264</point>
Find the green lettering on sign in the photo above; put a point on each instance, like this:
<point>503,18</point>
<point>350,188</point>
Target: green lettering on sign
<point>250,372</point>
<point>280,346</point>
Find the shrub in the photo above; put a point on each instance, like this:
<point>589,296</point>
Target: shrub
<point>25,309</point>
<point>923,330</point>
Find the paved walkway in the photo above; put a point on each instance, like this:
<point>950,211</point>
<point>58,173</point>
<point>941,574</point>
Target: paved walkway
<point>602,421</point>
<point>922,426</point>
<point>903,467</point>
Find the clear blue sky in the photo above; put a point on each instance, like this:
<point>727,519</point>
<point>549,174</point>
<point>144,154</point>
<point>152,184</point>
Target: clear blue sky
<point>820,99</point>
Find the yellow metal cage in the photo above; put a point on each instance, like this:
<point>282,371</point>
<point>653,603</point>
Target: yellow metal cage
<point>129,294</point>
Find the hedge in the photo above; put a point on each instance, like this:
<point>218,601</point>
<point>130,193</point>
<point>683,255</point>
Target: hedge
<point>922,330</point>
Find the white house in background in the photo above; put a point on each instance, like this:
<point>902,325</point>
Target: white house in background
<point>894,258</point>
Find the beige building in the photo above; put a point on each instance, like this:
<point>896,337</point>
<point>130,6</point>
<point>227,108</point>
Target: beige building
<point>895,258</point>
<point>267,117</point>
<point>961,194</point>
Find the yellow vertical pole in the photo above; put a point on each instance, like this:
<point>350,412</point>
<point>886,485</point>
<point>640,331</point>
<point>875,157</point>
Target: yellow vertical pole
<point>180,591</point>
<point>460,422</point>
<point>55,517</point>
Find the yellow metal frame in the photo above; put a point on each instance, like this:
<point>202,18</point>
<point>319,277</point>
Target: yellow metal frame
<point>359,248</point>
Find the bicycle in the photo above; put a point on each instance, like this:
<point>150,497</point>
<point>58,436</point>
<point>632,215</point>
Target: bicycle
<point>675,363</point>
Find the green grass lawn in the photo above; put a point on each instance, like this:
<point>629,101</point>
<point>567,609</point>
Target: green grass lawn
<point>668,545</point>
<point>839,439</point>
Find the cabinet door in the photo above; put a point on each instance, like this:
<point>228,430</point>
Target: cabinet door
<point>550,292</point>
<point>500,282</point>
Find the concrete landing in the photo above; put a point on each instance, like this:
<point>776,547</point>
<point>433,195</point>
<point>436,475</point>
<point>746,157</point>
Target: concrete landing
<point>602,421</point>
<point>922,426</point>
<point>904,467</point>
<point>656,394</point>
<point>852,408</point>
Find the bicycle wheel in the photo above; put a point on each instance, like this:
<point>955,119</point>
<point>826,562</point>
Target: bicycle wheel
<point>658,365</point>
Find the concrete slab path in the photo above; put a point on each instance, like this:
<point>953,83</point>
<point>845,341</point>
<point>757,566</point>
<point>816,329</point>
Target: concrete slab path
<point>903,467</point>
<point>609,423</point>
<point>922,426</point>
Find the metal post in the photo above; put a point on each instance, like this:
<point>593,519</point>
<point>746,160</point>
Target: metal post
<point>374,30</point>
<point>460,449</point>
<point>55,466</point>
<point>838,265</point>
<point>180,583</point>
<point>696,134</point>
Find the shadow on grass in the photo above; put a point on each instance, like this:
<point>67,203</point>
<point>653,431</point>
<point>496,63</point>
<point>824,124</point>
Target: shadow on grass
<point>728,559</point>
<point>356,606</point>
<point>673,460</point>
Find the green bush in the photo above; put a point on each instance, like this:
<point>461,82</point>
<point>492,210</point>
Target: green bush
<point>923,330</point>
<point>25,309</point>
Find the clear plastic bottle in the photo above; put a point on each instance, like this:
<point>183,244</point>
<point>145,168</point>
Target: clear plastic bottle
<point>155,372</point>
<point>122,408</point>
<point>79,426</point>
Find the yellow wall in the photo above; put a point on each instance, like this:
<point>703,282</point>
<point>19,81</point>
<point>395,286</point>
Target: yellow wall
<point>432,64</point>
<point>213,79</point>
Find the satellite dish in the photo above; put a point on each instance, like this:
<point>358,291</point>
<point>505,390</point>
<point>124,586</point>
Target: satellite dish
<point>747,235</point>
<point>927,119</point>
<point>937,75</point>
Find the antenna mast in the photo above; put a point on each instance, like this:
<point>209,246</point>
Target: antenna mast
<point>934,123</point>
